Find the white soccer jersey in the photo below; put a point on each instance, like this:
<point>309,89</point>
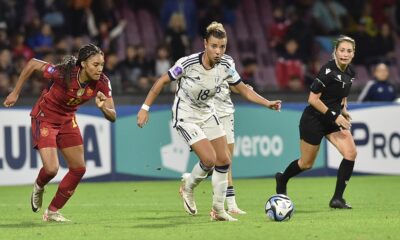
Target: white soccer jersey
<point>197,86</point>
<point>222,101</point>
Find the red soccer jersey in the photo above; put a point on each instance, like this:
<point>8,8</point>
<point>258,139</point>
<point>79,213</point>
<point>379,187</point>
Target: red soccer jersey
<point>58,103</point>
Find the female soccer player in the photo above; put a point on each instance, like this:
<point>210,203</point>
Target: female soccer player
<point>198,78</point>
<point>327,116</point>
<point>54,126</point>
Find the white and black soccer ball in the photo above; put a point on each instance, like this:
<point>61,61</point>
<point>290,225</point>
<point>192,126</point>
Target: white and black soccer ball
<point>279,208</point>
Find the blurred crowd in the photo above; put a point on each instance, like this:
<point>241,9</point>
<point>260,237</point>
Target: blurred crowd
<point>277,45</point>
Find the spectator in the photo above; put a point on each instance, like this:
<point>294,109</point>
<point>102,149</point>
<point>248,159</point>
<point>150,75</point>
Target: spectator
<point>278,29</point>
<point>289,68</point>
<point>6,65</point>
<point>111,69</point>
<point>162,64</point>
<point>329,16</point>
<point>42,42</point>
<point>187,8</point>
<point>5,86</point>
<point>21,49</point>
<point>4,42</point>
<point>130,69</point>
<point>176,37</point>
<point>379,89</point>
<point>106,33</point>
<point>249,72</point>
<point>384,45</point>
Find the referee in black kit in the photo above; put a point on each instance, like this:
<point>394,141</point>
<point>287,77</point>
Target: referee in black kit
<point>326,115</point>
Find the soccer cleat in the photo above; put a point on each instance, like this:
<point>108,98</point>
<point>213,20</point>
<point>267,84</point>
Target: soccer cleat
<point>339,203</point>
<point>36,197</point>
<point>280,186</point>
<point>50,216</point>
<point>221,216</point>
<point>187,196</point>
<point>236,210</point>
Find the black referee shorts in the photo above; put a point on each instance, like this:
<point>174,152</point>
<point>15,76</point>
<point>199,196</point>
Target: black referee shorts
<point>313,127</point>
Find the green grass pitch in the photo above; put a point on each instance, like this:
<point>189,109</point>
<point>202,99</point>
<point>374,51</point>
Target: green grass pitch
<point>153,210</point>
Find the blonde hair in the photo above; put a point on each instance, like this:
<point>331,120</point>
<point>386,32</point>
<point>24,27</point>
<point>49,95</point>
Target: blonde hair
<point>343,38</point>
<point>215,29</point>
<point>177,20</point>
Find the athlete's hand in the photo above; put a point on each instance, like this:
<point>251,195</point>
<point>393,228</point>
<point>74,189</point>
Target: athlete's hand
<point>11,99</point>
<point>142,118</point>
<point>342,122</point>
<point>275,105</point>
<point>100,99</point>
<point>346,115</point>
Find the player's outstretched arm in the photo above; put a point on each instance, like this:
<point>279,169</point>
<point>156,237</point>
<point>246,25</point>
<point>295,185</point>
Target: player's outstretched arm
<point>252,96</point>
<point>143,114</point>
<point>32,66</point>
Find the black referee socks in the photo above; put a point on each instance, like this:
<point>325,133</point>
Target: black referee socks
<point>343,176</point>
<point>292,170</point>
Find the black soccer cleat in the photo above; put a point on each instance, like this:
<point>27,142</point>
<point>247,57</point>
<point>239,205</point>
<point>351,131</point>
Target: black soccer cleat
<point>339,203</point>
<point>280,186</point>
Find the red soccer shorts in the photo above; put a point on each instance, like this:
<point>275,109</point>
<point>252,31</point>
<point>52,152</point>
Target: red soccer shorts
<point>55,135</point>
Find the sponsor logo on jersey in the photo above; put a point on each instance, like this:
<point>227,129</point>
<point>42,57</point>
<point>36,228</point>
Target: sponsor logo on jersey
<point>177,71</point>
<point>50,69</point>
<point>327,71</point>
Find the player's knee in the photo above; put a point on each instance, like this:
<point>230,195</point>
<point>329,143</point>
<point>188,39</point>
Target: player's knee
<point>209,160</point>
<point>224,160</point>
<point>51,170</point>
<point>350,155</point>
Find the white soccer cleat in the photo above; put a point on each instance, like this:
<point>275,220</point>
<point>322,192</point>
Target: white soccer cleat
<point>221,216</point>
<point>236,210</point>
<point>187,196</point>
<point>50,216</point>
<point>36,197</point>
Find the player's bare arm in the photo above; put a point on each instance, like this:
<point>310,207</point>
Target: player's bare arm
<point>250,95</point>
<point>143,114</point>
<point>106,106</point>
<point>32,66</point>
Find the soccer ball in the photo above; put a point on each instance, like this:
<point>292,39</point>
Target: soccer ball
<point>279,208</point>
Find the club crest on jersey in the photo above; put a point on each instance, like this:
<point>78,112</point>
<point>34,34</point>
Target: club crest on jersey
<point>44,132</point>
<point>89,92</point>
<point>80,92</point>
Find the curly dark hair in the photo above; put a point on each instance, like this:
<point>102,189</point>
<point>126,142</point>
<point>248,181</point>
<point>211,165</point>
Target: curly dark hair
<point>69,62</point>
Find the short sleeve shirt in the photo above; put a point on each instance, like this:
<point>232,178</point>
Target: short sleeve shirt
<point>58,102</point>
<point>197,86</point>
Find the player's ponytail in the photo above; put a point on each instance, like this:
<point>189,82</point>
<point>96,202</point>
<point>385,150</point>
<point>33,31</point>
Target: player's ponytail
<point>65,68</point>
